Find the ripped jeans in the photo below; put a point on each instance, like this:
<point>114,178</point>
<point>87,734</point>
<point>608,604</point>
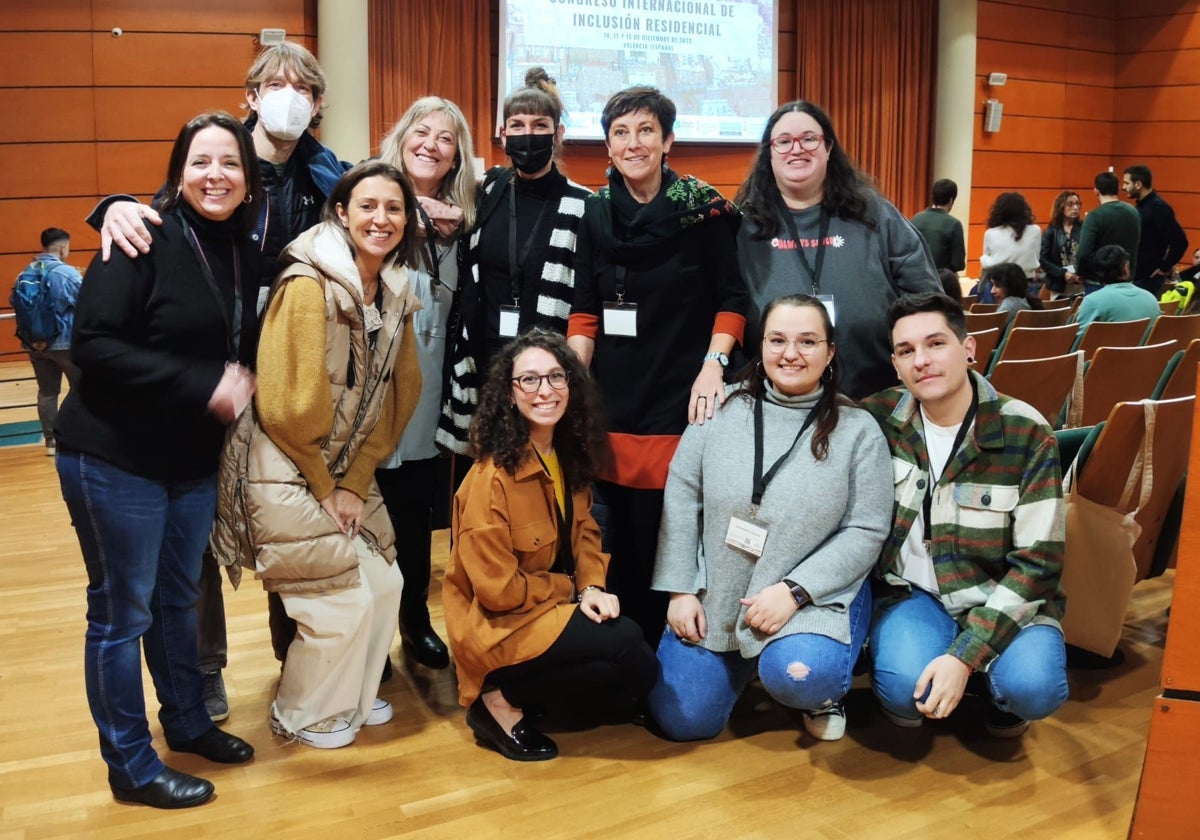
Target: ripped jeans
<point>697,688</point>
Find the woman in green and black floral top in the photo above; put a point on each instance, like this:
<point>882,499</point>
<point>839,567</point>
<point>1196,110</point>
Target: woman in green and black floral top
<point>659,305</point>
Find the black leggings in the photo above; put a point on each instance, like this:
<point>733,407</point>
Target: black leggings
<point>587,658</point>
<point>629,518</point>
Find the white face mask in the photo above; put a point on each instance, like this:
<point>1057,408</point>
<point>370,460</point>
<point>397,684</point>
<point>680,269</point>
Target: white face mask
<point>284,113</point>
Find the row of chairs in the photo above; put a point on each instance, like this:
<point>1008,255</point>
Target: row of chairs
<point>1068,305</point>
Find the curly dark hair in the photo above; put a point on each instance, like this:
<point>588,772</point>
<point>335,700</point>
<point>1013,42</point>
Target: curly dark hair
<point>498,431</point>
<point>847,193</point>
<point>1012,210</point>
<point>753,377</point>
<point>1058,211</point>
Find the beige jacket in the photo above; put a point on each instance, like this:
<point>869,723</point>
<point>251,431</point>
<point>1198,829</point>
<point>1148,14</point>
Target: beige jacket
<point>329,407</point>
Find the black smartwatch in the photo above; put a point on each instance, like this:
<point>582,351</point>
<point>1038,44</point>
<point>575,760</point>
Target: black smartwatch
<point>798,592</point>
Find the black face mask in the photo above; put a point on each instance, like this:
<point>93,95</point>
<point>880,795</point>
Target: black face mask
<point>529,152</point>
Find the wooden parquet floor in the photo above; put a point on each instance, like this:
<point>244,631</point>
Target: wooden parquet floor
<point>1074,776</point>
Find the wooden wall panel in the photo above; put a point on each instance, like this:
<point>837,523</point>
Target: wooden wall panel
<point>1159,104</point>
<point>223,16</point>
<point>132,167</point>
<point>1124,10</point>
<point>48,169</point>
<point>1162,69</point>
<point>54,115</point>
<point>29,16</point>
<point>212,60</point>
<point>23,59</point>
<point>1154,34</point>
<point>1167,800</point>
<point>23,220</point>
<point>1033,24</point>
<point>1026,134</point>
<point>158,113</point>
<point>1088,102</point>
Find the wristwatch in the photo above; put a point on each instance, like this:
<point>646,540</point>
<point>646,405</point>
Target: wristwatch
<point>803,599</point>
<point>720,357</point>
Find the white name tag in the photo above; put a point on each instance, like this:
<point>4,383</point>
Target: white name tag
<point>510,319</point>
<point>620,318</point>
<point>746,535</point>
<point>830,307</point>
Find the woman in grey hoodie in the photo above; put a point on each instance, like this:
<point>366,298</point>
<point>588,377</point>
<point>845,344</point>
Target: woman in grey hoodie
<point>774,515</point>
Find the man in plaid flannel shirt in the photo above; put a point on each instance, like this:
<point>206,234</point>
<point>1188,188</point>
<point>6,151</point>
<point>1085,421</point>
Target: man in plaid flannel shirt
<point>968,580</point>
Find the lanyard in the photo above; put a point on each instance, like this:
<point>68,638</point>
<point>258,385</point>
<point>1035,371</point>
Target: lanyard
<point>233,332</point>
<point>761,481</point>
<point>823,232</point>
<point>927,503</point>
<point>564,561</point>
<point>515,266</point>
<point>434,264</point>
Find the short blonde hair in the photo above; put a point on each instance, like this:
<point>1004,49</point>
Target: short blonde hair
<point>460,185</point>
<point>289,57</point>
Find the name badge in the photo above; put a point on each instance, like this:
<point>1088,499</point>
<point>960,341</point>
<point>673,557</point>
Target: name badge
<point>830,307</point>
<point>510,319</point>
<point>620,318</point>
<point>746,535</point>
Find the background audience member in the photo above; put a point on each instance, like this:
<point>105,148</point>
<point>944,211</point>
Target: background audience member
<point>1011,235</point>
<point>1113,222</point>
<point>1060,241</point>
<point>942,232</point>
<point>951,285</point>
<point>791,605</point>
<point>519,267</point>
<point>338,381</point>
<point>529,620</point>
<point>1010,288</point>
<point>161,343</point>
<point>431,144</point>
<point>813,224</point>
<point>50,357</point>
<point>1163,242</point>
<point>1118,299</point>
<point>658,308</point>
<point>968,580</point>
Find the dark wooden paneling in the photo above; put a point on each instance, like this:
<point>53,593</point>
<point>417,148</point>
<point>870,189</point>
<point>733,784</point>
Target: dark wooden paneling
<point>1088,102</point>
<point>158,113</point>
<point>1162,69</point>
<point>1158,104</point>
<point>33,15</point>
<point>154,60</point>
<point>23,220</point>
<point>47,115</point>
<point>1021,134</point>
<point>132,167</point>
<point>48,169</point>
<point>1023,97</point>
<point>1000,171</point>
<point>211,16</point>
<point>23,59</point>
<point>1027,25</point>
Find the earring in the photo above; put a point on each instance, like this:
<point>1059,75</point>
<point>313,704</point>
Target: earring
<point>179,191</point>
<point>827,374</point>
<point>247,199</point>
<point>970,360</point>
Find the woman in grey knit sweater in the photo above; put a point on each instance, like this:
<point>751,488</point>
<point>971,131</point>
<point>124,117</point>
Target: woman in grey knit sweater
<point>765,557</point>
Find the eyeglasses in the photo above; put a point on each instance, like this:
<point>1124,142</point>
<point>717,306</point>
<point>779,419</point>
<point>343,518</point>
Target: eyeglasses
<point>531,383</point>
<point>808,142</point>
<point>777,345</point>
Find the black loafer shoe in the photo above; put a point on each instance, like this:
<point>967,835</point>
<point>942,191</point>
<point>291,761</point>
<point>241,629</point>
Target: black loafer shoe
<point>169,789</point>
<point>216,745</point>
<point>524,743</point>
<point>426,648</point>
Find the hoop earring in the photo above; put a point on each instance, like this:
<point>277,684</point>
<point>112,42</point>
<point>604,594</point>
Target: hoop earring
<point>970,360</point>
<point>827,374</point>
<point>249,198</point>
<point>760,370</point>
<point>178,191</point>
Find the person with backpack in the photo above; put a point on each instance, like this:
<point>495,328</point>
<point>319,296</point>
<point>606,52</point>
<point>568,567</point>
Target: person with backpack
<point>43,300</point>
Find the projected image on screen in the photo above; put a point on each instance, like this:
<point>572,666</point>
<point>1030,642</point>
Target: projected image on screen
<point>716,60</point>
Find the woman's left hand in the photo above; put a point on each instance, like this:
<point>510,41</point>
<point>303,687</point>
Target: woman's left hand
<point>599,605</point>
<point>346,508</point>
<point>708,391</point>
<point>770,609</point>
<point>446,218</point>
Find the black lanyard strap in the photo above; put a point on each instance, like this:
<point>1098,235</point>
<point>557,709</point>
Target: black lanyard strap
<point>233,321</point>
<point>431,245</point>
<point>927,503</point>
<point>822,235</point>
<point>516,266</point>
<point>761,481</point>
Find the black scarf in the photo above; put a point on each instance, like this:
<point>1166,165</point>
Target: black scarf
<point>681,203</point>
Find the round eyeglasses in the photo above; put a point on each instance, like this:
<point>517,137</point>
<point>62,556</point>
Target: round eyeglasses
<point>531,383</point>
<point>784,143</point>
<point>777,345</point>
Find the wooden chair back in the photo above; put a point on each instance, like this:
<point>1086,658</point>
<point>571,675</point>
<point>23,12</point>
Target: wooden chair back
<point>1037,342</point>
<point>979,321</point>
<point>1122,374</point>
<point>1181,328</point>
<point>1041,317</point>
<point>1179,378</point>
<point>1103,476</point>
<point>968,301</point>
<point>985,344</point>
<point>1169,307</point>
<point>1057,303</point>
<point>1046,384</point>
<point>1099,334</point>
<point>983,307</point>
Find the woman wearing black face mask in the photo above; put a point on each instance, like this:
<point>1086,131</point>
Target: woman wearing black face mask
<point>518,268</point>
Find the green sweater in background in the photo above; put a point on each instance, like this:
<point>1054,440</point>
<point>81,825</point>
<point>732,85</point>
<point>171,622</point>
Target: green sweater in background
<point>944,235</point>
<point>1112,223</point>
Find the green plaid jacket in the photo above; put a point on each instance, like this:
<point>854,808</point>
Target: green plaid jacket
<point>997,519</point>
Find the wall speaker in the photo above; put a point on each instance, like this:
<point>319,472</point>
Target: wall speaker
<point>993,112</point>
<point>271,37</point>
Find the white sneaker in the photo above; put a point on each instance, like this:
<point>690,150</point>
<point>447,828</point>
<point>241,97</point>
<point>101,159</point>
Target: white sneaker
<point>381,713</point>
<point>828,724</point>
<point>328,734</point>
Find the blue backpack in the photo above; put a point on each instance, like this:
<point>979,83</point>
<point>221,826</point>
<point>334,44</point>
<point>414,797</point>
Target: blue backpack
<point>33,304</point>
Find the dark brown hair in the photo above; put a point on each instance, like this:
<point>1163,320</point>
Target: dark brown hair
<point>246,215</point>
<point>498,431</point>
<point>406,251</point>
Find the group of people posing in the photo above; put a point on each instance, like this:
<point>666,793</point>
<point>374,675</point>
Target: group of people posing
<point>673,489</point>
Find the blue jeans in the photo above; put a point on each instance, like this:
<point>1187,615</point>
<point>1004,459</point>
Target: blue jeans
<point>141,542</point>
<point>1028,680</point>
<point>697,687</point>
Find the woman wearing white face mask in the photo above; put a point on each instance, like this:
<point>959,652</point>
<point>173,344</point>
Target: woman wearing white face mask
<point>518,270</point>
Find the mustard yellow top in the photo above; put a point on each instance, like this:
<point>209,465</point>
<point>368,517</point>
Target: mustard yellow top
<point>550,459</point>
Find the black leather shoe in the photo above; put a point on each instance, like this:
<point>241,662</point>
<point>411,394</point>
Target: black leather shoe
<point>524,743</point>
<point>169,789</point>
<point>216,745</point>
<point>387,670</point>
<point>426,648</point>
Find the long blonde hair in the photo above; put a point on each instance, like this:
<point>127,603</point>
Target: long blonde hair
<point>460,185</point>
